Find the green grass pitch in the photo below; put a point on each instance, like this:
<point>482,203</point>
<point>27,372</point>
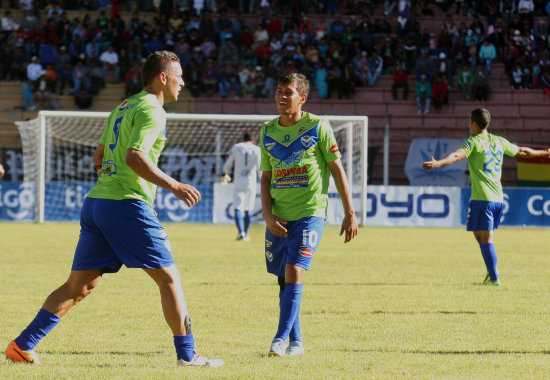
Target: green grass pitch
<point>395,303</point>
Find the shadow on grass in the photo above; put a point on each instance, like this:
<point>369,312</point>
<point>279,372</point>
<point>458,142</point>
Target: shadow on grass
<point>477,352</point>
<point>117,353</point>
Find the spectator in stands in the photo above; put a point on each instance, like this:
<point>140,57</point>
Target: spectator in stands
<point>260,35</point>
<point>228,79</point>
<point>440,92</point>
<point>82,99</point>
<point>517,78</point>
<point>259,82</point>
<point>400,81</point>
<point>334,81</point>
<point>510,55</point>
<point>376,64</point>
<point>28,102</point>
<point>411,54</point>
<point>6,63</point>
<point>9,24</point>
<point>424,66</point>
<point>248,82</point>
<point>321,81</point>
<point>423,93</point>
<point>92,50</point>
<point>210,78</point>
<point>480,88</point>
<point>465,79</point>
<point>109,60</point>
<point>44,90</point>
<point>133,85</point>
<point>229,52</point>
<point>96,77</point>
<point>192,78</point>
<point>34,70</point>
<point>487,54</point>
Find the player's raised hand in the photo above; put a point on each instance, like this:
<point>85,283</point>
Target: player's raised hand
<point>349,227</point>
<point>187,193</point>
<point>276,225</point>
<point>432,164</point>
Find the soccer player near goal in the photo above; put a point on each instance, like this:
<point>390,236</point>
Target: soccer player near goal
<point>299,152</point>
<point>118,223</point>
<point>484,152</point>
<point>246,158</point>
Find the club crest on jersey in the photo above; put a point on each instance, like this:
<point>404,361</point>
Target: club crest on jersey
<point>123,105</point>
<point>287,138</point>
<point>334,148</point>
<point>307,252</point>
<point>306,141</point>
<point>269,256</point>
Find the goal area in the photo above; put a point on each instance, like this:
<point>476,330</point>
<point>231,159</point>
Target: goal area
<point>58,168</point>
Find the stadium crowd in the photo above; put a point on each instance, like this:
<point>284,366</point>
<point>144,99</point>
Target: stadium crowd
<point>350,44</point>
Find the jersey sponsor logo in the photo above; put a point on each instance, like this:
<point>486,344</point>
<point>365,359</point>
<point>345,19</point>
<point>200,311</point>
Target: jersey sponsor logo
<point>123,105</point>
<point>306,252</point>
<point>306,141</point>
<point>269,256</point>
<point>293,171</point>
<point>334,148</point>
<point>291,182</point>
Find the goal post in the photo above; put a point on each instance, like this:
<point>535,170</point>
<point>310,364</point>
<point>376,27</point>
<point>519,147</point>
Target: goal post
<point>58,168</point>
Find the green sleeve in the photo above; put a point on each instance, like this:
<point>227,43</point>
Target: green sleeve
<point>327,142</point>
<point>468,147</point>
<point>509,149</point>
<point>148,124</point>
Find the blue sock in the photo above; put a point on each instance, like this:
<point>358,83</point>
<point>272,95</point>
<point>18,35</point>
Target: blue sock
<point>41,325</point>
<point>291,299</point>
<point>295,333</point>
<point>490,256</point>
<point>239,220</point>
<point>247,219</point>
<point>185,347</point>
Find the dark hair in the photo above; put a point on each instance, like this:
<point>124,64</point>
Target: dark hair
<point>246,137</point>
<point>481,116</point>
<point>157,63</point>
<point>302,83</point>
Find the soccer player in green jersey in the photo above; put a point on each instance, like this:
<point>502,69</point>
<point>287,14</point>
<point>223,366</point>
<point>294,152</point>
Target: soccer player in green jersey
<point>485,153</point>
<point>299,153</point>
<point>118,224</point>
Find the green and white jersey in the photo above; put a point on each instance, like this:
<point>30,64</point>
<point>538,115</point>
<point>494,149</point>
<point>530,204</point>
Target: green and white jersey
<point>297,158</point>
<point>139,123</point>
<point>485,154</point>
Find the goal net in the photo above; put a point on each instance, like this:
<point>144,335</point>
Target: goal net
<point>58,169</point>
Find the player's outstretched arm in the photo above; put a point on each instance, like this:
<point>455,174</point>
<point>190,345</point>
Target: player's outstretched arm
<point>274,223</point>
<point>456,156</point>
<point>529,152</point>
<point>142,166</point>
<point>349,224</point>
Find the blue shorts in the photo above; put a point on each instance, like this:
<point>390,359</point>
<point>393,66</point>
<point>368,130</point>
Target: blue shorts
<point>484,215</point>
<point>125,232</point>
<point>298,248</point>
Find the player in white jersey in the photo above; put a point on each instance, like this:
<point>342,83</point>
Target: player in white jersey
<point>246,158</point>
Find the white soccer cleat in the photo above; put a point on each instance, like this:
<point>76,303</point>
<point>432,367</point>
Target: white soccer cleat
<point>241,236</point>
<point>246,238</point>
<point>278,347</point>
<point>201,361</point>
<point>295,349</point>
